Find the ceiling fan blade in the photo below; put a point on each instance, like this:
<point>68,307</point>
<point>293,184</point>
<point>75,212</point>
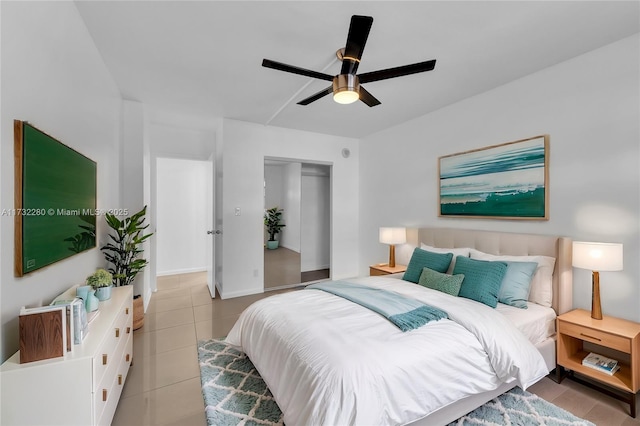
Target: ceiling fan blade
<point>368,77</point>
<point>368,98</point>
<point>316,96</point>
<point>295,70</point>
<point>356,39</point>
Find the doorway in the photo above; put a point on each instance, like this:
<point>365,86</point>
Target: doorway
<point>183,216</point>
<point>303,191</point>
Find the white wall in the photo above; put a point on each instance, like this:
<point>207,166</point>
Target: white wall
<point>315,223</point>
<point>243,147</point>
<point>291,181</point>
<point>53,77</point>
<point>588,105</point>
<point>134,175</point>
<point>181,219</point>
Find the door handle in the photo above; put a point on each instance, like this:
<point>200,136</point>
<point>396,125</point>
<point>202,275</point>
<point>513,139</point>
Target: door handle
<point>216,232</point>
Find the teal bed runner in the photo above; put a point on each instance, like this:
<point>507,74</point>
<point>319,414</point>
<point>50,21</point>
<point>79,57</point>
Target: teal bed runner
<point>406,313</point>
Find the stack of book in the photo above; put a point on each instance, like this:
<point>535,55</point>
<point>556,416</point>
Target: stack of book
<point>601,363</point>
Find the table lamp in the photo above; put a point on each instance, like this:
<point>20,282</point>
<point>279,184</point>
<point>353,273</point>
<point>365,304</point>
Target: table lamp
<point>393,236</point>
<point>597,257</point>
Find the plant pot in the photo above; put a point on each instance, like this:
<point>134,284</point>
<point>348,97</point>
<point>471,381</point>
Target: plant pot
<point>138,312</point>
<point>272,245</point>
<point>103,293</point>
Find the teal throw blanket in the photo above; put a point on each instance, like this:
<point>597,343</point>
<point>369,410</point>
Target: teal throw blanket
<point>406,313</point>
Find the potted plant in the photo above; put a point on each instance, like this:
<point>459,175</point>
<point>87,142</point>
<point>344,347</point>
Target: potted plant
<point>102,282</point>
<point>123,253</point>
<point>272,219</point>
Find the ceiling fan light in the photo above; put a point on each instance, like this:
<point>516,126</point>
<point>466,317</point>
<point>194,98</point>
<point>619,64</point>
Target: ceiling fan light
<point>346,88</point>
<point>346,97</point>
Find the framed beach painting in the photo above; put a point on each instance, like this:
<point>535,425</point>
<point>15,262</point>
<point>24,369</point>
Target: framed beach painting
<point>506,181</point>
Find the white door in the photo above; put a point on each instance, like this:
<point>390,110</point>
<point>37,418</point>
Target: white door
<point>211,222</point>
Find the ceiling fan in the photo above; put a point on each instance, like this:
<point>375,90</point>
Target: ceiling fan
<point>346,86</point>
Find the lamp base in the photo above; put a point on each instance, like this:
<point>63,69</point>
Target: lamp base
<point>392,256</point>
<point>596,308</point>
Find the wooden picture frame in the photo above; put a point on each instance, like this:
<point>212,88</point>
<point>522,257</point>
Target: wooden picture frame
<point>505,181</point>
<point>55,198</point>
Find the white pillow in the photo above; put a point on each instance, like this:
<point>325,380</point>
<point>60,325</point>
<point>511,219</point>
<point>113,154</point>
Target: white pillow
<point>456,252</point>
<point>542,282</point>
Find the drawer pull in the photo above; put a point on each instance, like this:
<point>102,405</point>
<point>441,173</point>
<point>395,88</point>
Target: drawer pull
<point>128,330</point>
<point>120,379</point>
<point>117,332</point>
<point>591,337</point>
<point>104,394</point>
<point>126,311</point>
<point>128,357</point>
<point>104,359</point>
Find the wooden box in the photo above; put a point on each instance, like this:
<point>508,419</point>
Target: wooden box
<point>43,334</point>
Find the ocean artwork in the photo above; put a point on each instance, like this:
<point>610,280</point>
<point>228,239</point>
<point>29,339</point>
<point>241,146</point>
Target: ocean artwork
<point>501,181</point>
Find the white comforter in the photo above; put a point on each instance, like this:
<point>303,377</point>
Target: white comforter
<point>329,361</point>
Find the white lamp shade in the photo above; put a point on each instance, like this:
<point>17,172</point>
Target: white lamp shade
<point>393,235</point>
<point>597,256</point>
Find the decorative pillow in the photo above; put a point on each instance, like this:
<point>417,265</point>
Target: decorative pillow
<point>541,289</point>
<point>516,283</point>
<point>456,252</point>
<point>482,279</point>
<point>449,284</point>
<point>425,259</point>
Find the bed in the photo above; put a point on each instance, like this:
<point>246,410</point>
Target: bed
<point>329,361</point>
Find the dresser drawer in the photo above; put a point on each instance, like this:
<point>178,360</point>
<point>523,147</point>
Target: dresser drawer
<point>613,341</point>
<point>117,332</point>
<point>108,393</point>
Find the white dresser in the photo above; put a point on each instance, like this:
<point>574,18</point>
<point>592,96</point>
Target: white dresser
<point>84,386</point>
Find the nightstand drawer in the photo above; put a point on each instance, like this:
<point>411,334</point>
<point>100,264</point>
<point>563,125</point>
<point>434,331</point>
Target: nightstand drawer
<point>622,344</point>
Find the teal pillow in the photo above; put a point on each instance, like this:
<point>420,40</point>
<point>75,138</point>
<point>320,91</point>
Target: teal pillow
<point>482,279</point>
<point>449,284</point>
<point>426,259</point>
<point>516,283</point>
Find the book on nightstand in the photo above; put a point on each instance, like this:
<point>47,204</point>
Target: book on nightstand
<point>601,363</point>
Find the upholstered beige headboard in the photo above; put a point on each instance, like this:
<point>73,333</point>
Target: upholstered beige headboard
<point>505,243</point>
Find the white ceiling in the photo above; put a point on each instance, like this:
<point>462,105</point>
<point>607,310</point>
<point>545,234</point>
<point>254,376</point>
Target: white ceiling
<point>203,58</point>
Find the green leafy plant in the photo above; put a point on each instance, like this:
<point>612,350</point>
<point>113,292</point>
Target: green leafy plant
<point>272,218</point>
<point>125,247</point>
<point>100,278</point>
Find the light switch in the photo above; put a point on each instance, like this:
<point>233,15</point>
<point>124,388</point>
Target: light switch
<point>237,211</point>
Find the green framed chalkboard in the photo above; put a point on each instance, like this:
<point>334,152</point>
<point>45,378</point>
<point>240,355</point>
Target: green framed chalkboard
<point>55,200</point>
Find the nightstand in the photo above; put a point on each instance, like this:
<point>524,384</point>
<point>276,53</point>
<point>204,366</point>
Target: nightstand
<point>385,269</point>
<point>579,334</point>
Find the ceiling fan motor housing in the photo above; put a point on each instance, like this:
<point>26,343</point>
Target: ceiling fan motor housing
<point>348,83</point>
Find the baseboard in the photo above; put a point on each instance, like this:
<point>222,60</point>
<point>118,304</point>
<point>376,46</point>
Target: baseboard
<point>231,295</point>
<point>284,287</point>
<point>316,268</point>
<point>180,271</point>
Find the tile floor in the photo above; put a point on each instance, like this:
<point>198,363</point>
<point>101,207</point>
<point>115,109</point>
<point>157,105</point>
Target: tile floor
<point>163,386</point>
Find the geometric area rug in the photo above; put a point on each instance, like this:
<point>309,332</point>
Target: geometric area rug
<point>235,394</point>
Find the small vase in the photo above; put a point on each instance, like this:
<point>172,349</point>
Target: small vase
<point>103,293</point>
<point>83,291</point>
<point>91,304</point>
